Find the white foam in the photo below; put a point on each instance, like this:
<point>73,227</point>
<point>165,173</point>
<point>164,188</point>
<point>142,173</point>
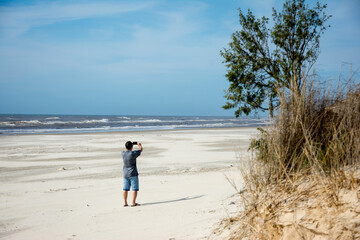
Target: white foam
<point>151,120</point>
<point>21,123</point>
<point>127,118</point>
<point>52,118</point>
<point>37,122</point>
<point>141,121</point>
<point>104,120</point>
<point>7,123</point>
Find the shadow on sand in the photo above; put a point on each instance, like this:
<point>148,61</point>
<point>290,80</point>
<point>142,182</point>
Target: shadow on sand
<point>176,200</point>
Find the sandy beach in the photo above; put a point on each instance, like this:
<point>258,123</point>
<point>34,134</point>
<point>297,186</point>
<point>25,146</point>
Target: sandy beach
<point>69,186</point>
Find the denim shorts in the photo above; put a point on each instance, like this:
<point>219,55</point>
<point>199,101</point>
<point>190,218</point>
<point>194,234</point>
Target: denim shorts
<point>133,182</point>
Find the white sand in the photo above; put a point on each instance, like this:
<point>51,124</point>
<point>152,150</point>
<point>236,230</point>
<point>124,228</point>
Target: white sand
<point>183,189</point>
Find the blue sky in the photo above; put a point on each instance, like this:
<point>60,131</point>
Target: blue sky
<point>136,57</point>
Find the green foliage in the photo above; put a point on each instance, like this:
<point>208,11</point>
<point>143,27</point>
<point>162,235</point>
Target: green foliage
<point>260,145</point>
<point>262,60</point>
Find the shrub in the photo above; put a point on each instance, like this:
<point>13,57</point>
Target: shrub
<point>315,129</point>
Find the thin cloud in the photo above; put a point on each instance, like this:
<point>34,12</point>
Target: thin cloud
<point>175,44</point>
<point>18,19</point>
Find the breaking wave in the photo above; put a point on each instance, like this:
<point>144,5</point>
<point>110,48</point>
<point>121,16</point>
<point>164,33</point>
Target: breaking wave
<point>34,124</point>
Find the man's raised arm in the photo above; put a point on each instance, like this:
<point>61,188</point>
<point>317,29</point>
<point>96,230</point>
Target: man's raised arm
<point>140,147</point>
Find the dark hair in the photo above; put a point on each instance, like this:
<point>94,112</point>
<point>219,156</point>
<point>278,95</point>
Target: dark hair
<point>128,145</point>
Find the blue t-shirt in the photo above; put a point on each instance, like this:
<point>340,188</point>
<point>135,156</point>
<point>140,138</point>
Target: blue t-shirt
<point>129,159</point>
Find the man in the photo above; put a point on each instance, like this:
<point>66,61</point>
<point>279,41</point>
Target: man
<point>131,178</point>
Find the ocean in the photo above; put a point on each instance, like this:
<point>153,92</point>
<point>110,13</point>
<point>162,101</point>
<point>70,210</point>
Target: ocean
<point>42,124</point>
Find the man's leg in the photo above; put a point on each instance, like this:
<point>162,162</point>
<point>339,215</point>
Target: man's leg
<point>135,188</point>
<point>126,188</point>
<point>134,198</point>
<point>125,194</point>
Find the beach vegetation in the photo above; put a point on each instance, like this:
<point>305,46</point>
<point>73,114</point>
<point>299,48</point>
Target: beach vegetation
<point>304,179</point>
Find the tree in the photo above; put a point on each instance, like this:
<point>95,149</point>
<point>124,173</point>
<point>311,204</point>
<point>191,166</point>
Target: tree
<point>261,60</point>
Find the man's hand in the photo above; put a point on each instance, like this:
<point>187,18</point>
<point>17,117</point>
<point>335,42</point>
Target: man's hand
<point>140,146</point>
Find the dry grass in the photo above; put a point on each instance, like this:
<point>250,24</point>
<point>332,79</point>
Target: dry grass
<point>306,212</point>
<point>316,129</point>
<point>305,180</point>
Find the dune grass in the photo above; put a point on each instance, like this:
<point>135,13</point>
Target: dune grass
<point>310,154</point>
